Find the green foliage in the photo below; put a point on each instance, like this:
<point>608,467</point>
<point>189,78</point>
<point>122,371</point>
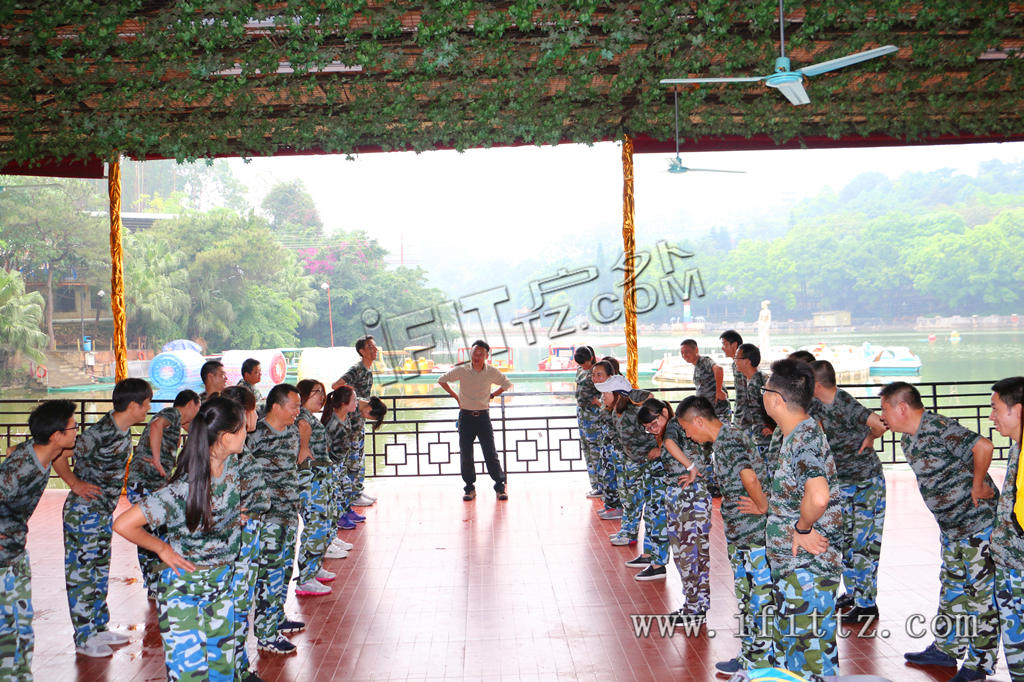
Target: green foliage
<point>925,243</point>
<point>188,80</point>
<point>21,314</point>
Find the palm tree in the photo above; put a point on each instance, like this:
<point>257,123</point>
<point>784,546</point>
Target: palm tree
<point>20,316</point>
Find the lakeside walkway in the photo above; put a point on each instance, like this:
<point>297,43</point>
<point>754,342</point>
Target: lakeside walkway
<point>525,590</point>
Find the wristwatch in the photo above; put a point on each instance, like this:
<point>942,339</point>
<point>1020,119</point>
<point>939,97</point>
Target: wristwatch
<point>796,527</point>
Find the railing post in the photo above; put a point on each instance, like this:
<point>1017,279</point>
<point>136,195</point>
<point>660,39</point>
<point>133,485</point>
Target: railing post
<point>504,443</point>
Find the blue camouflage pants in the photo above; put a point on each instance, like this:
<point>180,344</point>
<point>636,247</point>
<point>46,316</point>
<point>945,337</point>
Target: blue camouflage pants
<point>631,495</point>
<point>16,636</point>
<point>357,466</point>
<point>197,624</point>
<point>967,602</point>
<point>655,521</point>
<point>688,520</point>
<point>318,523</point>
<point>1010,600</point>
<point>590,433</point>
<point>149,563</point>
<point>275,560</point>
<point>609,466</point>
<point>752,579</point>
<point>863,507</point>
<point>804,637</point>
<point>243,587</point>
<point>87,534</point>
<point>342,489</point>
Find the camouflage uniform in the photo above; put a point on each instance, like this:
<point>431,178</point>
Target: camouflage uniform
<point>1007,549</point>
<point>940,455</point>
<point>688,513</point>
<point>744,534</point>
<point>704,383</point>
<point>101,454</point>
<point>254,503</point>
<point>341,444</point>
<point>143,479</point>
<point>805,585</point>
<point>255,391</point>
<point>277,452</point>
<point>644,482</point>
<point>361,381</point>
<point>862,486</point>
<point>756,419</point>
<point>771,454</point>
<point>196,609</point>
<point>22,481</point>
<point>609,459</point>
<point>587,416</point>
<point>740,399</point>
<point>317,500</point>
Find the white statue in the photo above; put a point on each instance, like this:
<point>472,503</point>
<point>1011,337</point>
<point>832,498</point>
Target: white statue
<point>764,322</point>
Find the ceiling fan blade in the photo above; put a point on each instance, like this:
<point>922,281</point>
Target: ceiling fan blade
<point>793,90</point>
<point>833,64</point>
<point>714,170</point>
<point>673,81</point>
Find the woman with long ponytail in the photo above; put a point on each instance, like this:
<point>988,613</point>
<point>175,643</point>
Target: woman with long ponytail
<point>200,508</point>
<point>588,409</point>
<point>342,441</point>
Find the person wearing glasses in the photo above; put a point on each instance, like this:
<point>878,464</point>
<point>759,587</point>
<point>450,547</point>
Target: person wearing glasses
<point>803,530</point>
<point>24,474</point>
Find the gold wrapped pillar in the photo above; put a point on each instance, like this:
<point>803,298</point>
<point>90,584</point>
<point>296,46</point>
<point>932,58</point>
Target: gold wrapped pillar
<point>629,249</point>
<point>117,273</point>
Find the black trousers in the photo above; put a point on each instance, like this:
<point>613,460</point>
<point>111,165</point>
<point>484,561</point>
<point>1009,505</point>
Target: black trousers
<point>470,428</point>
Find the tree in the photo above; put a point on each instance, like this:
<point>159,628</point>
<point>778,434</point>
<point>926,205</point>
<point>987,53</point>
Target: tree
<point>55,233</point>
<point>21,314</point>
<point>292,213</point>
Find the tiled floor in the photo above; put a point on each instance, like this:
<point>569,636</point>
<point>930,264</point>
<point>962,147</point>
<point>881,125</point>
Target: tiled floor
<point>527,589</point>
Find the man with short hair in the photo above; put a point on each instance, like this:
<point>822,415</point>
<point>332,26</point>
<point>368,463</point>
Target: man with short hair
<point>731,341</point>
<point>1007,544</point>
<point>101,456</point>
<point>214,379</point>
<point>851,430</point>
<point>707,382</point>
<point>475,380</point>
<point>24,474</point>
<point>740,471</point>
<point>754,420</point>
<point>275,445</point>
<point>360,377</point>
<point>951,464</point>
<point>804,529</point>
<point>252,372</point>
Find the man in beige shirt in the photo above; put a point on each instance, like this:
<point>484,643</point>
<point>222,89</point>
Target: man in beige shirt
<point>475,380</point>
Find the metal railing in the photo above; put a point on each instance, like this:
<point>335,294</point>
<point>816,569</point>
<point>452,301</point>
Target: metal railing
<point>537,432</point>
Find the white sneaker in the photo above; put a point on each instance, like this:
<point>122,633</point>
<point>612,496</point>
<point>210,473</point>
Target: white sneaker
<point>111,638</point>
<point>325,576</point>
<point>341,544</point>
<point>335,552</point>
<point>313,588</point>
<point>368,496</point>
<point>362,501</point>
<point>95,648</point>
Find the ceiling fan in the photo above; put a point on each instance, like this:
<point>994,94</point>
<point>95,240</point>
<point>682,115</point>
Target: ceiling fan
<point>676,165</point>
<point>786,81</point>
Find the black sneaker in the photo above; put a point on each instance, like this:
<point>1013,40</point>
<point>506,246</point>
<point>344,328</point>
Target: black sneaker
<point>844,602</point>
<point>651,573</point>
<point>502,495</point>
<point>469,496</point>
<point>683,617</point>
<point>279,646</point>
<point>253,677</point>
<point>861,615</point>
<point>639,562</point>
<point>290,626</point>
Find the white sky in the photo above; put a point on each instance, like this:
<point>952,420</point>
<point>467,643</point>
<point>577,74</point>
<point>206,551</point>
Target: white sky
<point>528,199</point>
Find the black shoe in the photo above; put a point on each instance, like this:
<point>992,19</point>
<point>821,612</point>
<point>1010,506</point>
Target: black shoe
<point>502,495</point>
<point>290,626</point>
<point>861,615</point>
<point>651,573</point>
<point>469,496</point>
<point>639,562</point>
<point>683,616</point>
<point>845,602</point>
<point>966,674</point>
<point>253,677</point>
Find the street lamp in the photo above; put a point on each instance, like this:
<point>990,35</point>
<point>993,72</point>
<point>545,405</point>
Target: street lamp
<point>326,286</point>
